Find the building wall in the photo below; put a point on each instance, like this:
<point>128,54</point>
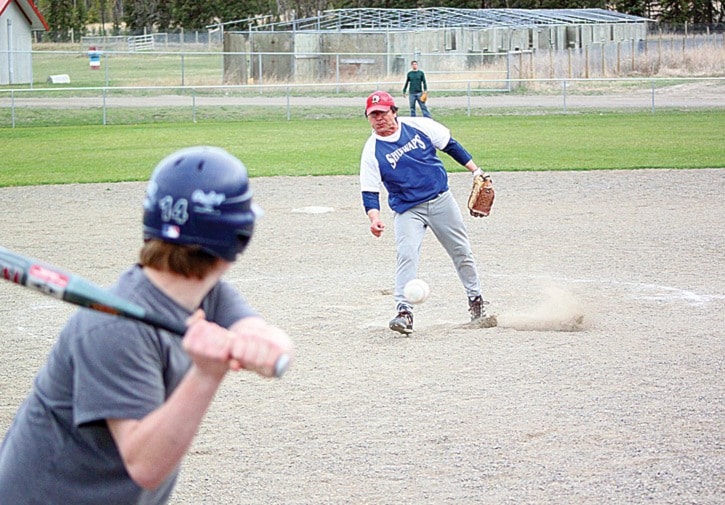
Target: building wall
<point>15,45</point>
<point>236,67</point>
<point>267,65</point>
<point>307,54</point>
<point>311,56</point>
<point>354,57</point>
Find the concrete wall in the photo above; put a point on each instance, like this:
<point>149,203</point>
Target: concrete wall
<point>16,63</point>
<point>358,63</point>
<point>236,66</point>
<point>266,65</point>
<point>314,56</point>
<point>307,57</point>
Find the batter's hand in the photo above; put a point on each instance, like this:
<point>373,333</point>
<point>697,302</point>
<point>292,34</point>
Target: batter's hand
<point>257,345</point>
<point>208,345</point>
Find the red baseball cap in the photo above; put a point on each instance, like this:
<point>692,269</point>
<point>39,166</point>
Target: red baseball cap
<point>380,100</point>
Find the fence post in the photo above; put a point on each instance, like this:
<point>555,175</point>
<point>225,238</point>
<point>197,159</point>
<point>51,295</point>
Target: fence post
<point>653,96</point>
<point>105,60</point>
<point>288,106</point>
<point>104,106</point>
<point>646,52</point>
<point>182,70</point>
<point>568,58</point>
<point>684,42</point>
<point>564,91</point>
<point>508,71</point>
<point>337,73</point>
<point>469,99</point>
<point>552,72</point>
<point>532,74</point>
<point>193,105</point>
<point>259,73</point>
<point>12,106</point>
<point>619,58</point>
<point>521,65</point>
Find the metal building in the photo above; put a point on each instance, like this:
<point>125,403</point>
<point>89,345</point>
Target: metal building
<point>380,41</point>
<point>18,19</point>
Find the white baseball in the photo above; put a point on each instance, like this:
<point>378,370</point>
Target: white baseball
<point>416,291</point>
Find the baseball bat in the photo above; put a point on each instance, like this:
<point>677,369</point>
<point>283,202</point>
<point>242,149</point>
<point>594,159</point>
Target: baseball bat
<point>76,290</point>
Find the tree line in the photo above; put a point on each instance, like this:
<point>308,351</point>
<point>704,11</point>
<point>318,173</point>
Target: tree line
<point>74,18</point>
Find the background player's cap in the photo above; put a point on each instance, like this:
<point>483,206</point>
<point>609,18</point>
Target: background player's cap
<point>380,100</point>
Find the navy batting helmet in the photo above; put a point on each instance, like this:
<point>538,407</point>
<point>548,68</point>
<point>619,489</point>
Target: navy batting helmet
<point>201,196</point>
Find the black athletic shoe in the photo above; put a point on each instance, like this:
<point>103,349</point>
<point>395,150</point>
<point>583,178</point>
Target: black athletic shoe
<point>403,322</point>
<point>476,307</point>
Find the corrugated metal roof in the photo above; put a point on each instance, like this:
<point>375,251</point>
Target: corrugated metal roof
<point>439,17</point>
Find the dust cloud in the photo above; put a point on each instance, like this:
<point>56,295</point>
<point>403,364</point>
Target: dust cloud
<point>559,310</point>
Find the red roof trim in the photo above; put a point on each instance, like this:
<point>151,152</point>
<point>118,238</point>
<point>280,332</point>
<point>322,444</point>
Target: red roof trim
<point>34,17</point>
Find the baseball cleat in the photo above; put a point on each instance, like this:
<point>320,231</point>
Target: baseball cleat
<point>476,307</point>
<point>403,322</point>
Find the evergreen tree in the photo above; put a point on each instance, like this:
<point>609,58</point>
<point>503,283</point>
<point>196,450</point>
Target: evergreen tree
<point>675,11</point>
<point>141,15</point>
<point>59,16</point>
<point>117,16</point>
<point>79,19</point>
<point>194,15</point>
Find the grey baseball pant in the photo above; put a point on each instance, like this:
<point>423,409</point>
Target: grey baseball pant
<point>443,216</point>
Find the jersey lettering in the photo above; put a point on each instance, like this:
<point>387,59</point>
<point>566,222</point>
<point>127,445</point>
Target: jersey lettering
<point>415,143</point>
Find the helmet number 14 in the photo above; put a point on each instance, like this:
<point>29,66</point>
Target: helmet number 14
<point>177,212</point>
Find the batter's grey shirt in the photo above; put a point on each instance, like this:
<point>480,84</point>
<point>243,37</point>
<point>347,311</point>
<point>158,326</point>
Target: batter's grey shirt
<point>59,449</point>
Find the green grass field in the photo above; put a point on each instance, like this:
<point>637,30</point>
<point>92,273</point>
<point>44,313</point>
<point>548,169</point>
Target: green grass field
<point>130,69</point>
<point>71,154</point>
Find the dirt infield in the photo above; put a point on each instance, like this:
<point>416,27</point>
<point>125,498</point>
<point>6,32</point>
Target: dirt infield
<point>628,408</point>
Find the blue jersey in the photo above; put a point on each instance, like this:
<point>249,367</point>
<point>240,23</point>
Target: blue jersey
<point>406,163</point>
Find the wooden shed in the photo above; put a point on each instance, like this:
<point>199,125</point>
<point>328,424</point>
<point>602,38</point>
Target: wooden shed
<point>18,20</point>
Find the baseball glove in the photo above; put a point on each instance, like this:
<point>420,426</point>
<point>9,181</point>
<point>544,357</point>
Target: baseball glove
<point>481,199</point>
<point>424,97</point>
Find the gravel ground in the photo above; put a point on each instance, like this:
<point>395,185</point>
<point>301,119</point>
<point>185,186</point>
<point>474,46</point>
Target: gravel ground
<point>603,382</point>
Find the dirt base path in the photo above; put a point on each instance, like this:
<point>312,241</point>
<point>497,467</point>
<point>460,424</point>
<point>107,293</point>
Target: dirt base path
<point>626,408</point>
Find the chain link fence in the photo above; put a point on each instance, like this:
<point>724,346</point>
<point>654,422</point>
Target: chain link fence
<point>110,80</point>
<point>119,62</point>
<point>164,104</point>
